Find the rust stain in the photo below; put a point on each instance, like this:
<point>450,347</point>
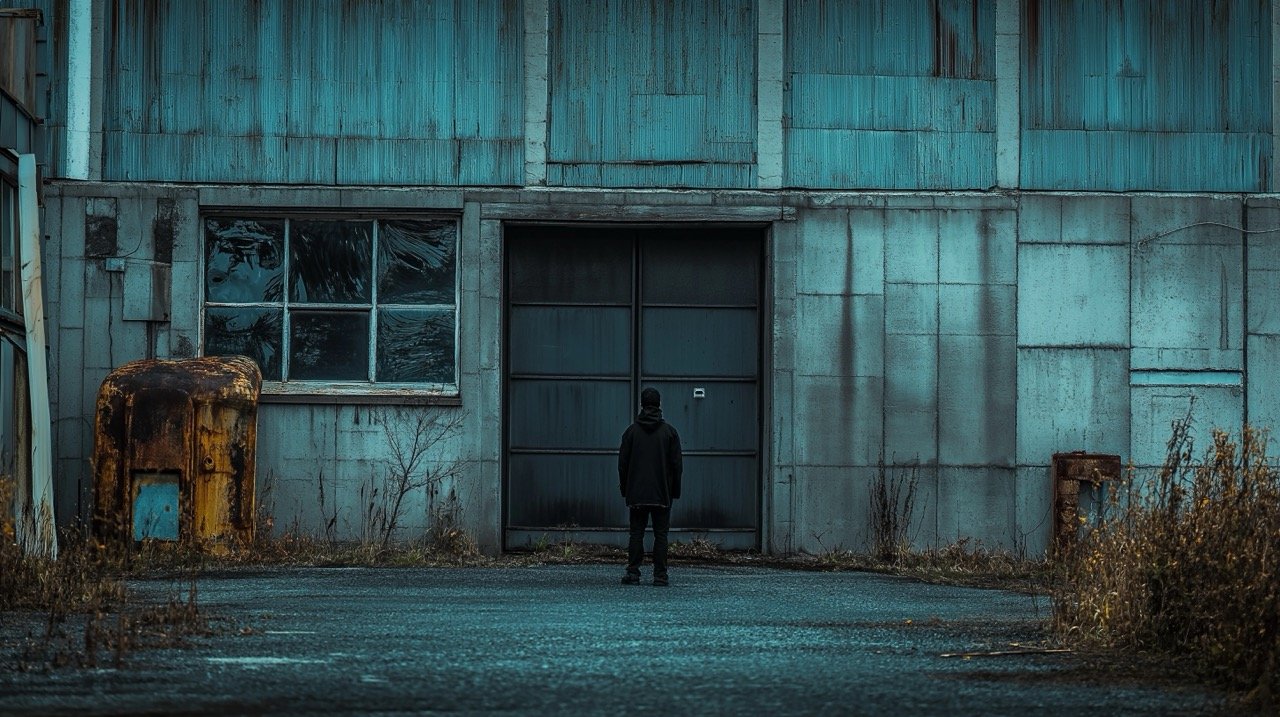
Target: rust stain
<point>193,418</point>
<point>1031,33</point>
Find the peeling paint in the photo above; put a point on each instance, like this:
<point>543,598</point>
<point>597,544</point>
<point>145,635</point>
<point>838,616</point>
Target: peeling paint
<point>196,419</point>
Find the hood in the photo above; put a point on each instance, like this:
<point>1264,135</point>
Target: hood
<point>650,418</point>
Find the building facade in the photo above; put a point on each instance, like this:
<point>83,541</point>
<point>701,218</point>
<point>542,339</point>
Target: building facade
<point>939,238</point>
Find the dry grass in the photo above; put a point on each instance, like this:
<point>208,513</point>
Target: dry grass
<point>961,563</point>
<point>1188,566</point>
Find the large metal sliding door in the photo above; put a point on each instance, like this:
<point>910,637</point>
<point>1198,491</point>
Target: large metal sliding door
<point>596,314</point>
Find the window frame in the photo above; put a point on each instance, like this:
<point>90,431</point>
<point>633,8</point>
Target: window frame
<point>12,317</point>
<point>288,390</point>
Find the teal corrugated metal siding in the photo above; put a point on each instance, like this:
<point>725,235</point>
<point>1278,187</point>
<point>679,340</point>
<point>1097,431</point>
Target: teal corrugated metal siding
<point>652,94</point>
<point>1143,94</point>
<point>315,91</point>
<point>890,94</point>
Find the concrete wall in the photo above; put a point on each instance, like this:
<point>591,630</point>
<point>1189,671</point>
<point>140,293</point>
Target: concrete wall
<point>969,338</point>
<point>964,338</point>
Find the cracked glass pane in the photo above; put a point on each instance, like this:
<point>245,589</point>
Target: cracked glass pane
<point>251,332</point>
<point>416,262</point>
<point>330,262</point>
<point>243,260</point>
<point>329,345</point>
<point>415,345</point>
<point>8,239</point>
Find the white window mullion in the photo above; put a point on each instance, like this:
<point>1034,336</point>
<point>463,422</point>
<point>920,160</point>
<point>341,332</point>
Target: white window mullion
<point>284,299</point>
<point>373,307</point>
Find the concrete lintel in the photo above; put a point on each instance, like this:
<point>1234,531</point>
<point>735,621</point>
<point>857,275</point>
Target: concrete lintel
<point>636,213</point>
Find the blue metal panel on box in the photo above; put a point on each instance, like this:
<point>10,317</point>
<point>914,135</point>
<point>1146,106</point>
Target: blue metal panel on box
<point>155,508</point>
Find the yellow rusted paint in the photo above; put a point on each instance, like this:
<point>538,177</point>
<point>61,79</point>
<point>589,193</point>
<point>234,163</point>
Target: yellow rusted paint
<point>196,418</point>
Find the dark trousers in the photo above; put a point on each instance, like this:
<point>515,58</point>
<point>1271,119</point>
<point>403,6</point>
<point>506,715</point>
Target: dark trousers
<point>635,549</point>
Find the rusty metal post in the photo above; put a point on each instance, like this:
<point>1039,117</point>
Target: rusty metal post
<point>1070,470</point>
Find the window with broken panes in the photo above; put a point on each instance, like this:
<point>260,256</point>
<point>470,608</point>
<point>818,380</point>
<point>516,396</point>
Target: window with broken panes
<point>334,300</point>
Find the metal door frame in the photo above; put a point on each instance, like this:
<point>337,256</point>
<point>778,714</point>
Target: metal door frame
<point>764,346</point>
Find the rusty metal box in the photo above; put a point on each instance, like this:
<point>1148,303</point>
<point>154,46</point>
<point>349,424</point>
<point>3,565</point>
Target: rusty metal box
<point>174,451</point>
<point>1073,472</point>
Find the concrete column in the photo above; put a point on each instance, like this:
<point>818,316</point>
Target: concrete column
<point>770,69</point>
<point>79,88</point>
<point>96,84</point>
<point>1008,100</point>
<point>535,91</point>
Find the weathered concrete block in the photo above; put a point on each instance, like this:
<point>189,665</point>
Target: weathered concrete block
<point>911,246</point>
<point>779,529</point>
<point>1264,247</point>
<point>977,504</point>
<point>782,427</point>
<point>1072,399</point>
<point>831,508</point>
<point>1213,359</point>
<point>911,372</point>
<point>1033,511</point>
<point>1087,219</point>
<point>1263,385</point>
<point>481,493</point>
<point>867,227</point>
<point>911,399</point>
<point>977,247</point>
<point>489,259</point>
<point>922,531</point>
<point>911,308</point>
<point>70,224</point>
<point>73,391</point>
<point>1073,295</point>
<point>824,252</point>
<point>1186,220</point>
<point>840,335</point>
<point>186,288</point>
<point>838,420</point>
<point>1102,219</point>
<point>784,334</point>
<point>975,309</point>
<point>1188,296</point>
<point>1264,308</point>
<point>977,400</point>
<point>71,297</point>
<point>1155,407</point>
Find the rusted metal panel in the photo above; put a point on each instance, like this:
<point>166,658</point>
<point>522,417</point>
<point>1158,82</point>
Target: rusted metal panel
<point>194,418</point>
<point>248,91</point>
<point>888,94</point>
<point>652,94</point>
<point>1132,94</point>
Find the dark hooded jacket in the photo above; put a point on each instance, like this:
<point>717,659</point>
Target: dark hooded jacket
<point>649,460</point>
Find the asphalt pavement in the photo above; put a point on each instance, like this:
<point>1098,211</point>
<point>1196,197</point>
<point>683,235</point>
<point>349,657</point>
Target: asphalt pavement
<point>571,640</point>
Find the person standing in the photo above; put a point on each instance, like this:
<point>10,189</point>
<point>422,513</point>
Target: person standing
<point>649,469</point>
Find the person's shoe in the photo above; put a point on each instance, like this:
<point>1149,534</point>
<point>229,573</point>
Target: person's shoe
<point>630,579</point>
<point>661,582</point>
